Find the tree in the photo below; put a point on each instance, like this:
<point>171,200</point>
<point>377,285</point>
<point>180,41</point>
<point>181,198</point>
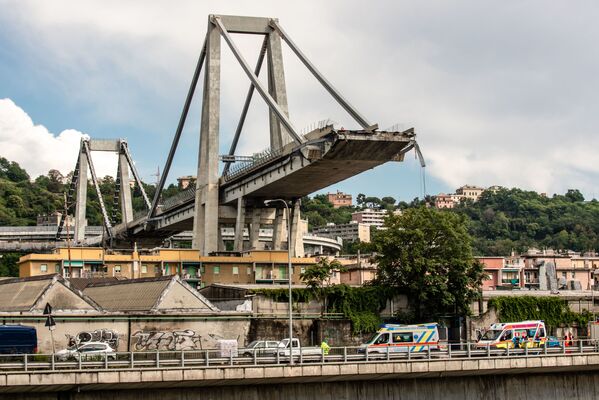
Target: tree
<point>9,264</point>
<point>12,171</point>
<point>360,198</point>
<point>316,275</point>
<point>426,254</point>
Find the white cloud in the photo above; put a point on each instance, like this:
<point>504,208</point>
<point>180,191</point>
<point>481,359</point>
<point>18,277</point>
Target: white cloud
<point>37,150</point>
<point>499,94</point>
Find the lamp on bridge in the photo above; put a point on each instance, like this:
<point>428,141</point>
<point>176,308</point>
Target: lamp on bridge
<point>289,272</point>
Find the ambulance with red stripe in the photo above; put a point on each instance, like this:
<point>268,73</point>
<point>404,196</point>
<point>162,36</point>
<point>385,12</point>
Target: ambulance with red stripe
<point>514,334</point>
<point>403,338</point>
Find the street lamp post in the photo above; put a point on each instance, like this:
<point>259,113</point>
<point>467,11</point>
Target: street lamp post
<point>290,273</point>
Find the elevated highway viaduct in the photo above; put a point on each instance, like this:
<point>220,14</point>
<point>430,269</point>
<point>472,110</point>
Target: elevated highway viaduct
<point>560,376</point>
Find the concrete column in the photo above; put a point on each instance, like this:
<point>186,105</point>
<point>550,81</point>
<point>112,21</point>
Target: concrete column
<point>277,89</point>
<point>81,199</point>
<point>125,194</point>
<point>205,225</point>
<point>277,229</point>
<point>296,239</point>
<point>239,225</point>
<point>255,229</point>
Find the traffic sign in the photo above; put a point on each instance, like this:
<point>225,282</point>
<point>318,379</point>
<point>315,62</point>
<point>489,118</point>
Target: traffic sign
<point>48,309</point>
<point>50,323</point>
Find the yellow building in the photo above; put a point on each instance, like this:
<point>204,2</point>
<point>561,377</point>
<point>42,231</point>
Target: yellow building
<point>91,262</point>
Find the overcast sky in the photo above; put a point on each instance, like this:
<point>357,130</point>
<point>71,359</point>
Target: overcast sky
<point>500,93</point>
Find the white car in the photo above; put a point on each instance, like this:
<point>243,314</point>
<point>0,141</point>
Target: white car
<point>86,351</point>
<point>261,348</point>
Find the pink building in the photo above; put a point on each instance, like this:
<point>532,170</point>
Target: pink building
<point>493,267</point>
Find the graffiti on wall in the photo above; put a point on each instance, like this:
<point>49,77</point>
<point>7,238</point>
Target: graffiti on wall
<point>167,340</point>
<point>99,335</point>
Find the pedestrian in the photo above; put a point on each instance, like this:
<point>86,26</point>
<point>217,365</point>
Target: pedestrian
<point>516,340</point>
<point>325,348</point>
<point>568,339</point>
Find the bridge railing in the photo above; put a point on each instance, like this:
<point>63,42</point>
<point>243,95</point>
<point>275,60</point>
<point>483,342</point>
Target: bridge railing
<point>277,356</point>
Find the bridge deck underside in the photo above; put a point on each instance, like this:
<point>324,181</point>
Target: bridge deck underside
<point>345,159</point>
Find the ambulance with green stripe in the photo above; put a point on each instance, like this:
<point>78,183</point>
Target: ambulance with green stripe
<point>403,338</point>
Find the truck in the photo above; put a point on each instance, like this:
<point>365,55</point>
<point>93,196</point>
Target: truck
<point>284,350</point>
<point>395,338</point>
<point>18,339</point>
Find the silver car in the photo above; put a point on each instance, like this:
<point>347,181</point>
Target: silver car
<point>87,351</point>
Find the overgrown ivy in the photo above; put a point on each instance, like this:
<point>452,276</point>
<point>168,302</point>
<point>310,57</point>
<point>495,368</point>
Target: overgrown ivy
<point>361,305</point>
<point>553,310</point>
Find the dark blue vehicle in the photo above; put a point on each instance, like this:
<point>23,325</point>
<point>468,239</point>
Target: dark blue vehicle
<point>15,339</point>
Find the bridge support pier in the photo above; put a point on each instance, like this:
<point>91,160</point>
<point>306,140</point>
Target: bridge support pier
<point>81,198</point>
<point>255,228</point>
<point>277,229</point>
<point>239,225</point>
<point>276,88</point>
<point>205,226</point>
<point>125,190</point>
<point>295,237</point>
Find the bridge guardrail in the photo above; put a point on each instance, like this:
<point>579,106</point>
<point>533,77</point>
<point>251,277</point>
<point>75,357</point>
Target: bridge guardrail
<point>249,357</point>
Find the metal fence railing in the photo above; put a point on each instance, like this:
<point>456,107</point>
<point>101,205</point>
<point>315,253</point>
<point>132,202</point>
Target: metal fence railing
<point>278,356</point>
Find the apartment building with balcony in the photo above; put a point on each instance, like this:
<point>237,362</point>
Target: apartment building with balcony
<point>351,232</point>
<point>371,217</point>
<point>264,267</point>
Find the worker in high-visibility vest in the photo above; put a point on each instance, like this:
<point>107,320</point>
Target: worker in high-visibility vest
<point>325,348</point>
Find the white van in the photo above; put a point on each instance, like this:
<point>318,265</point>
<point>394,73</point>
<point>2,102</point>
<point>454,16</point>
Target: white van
<point>403,338</point>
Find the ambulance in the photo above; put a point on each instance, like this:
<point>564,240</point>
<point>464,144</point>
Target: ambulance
<point>528,334</point>
<point>403,338</point>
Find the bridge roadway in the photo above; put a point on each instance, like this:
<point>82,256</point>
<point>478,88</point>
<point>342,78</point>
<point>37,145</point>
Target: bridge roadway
<point>326,157</point>
<point>198,369</point>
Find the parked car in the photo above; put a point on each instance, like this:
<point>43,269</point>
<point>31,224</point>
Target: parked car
<point>87,351</point>
<point>261,348</point>
<point>16,339</point>
<point>552,341</point>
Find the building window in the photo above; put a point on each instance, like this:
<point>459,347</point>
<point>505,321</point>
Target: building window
<point>573,274</point>
<point>235,270</point>
<point>249,270</point>
<point>216,270</point>
<point>44,268</point>
<point>57,268</point>
<point>117,269</point>
<point>302,270</point>
<point>144,269</point>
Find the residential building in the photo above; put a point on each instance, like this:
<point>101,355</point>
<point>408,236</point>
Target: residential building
<point>358,269</point>
<point>492,267</point>
<point>371,217</point>
<point>443,200</point>
<point>185,181</point>
<point>470,192</point>
<point>352,232</point>
<point>567,270</point>
<point>267,267</point>
<point>340,199</point>
<point>502,272</point>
